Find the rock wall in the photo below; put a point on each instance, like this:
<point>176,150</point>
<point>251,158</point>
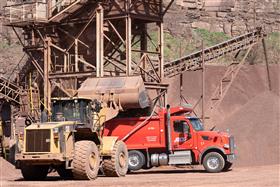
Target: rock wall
<point>230,16</point>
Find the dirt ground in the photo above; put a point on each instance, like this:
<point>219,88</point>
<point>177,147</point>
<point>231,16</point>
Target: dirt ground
<point>242,176</point>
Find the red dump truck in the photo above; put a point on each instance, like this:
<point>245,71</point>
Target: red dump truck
<point>172,138</point>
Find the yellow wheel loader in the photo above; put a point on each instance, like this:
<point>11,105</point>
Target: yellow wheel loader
<point>71,141</point>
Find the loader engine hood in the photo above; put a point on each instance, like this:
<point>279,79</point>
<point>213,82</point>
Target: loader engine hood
<point>46,137</point>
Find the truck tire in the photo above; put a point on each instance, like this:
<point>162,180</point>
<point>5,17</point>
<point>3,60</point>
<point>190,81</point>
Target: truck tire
<point>227,166</point>
<point>86,160</point>
<point>117,164</point>
<point>213,162</point>
<point>64,173</point>
<point>34,172</point>
<point>136,160</point>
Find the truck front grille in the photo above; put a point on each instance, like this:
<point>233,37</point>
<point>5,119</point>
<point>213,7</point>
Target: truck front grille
<point>231,144</point>
<point>38,140</point>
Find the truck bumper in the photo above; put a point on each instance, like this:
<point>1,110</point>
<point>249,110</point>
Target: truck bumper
<point>231,157</point>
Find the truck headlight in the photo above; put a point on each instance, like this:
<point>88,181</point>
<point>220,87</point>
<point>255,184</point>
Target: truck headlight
<point>226,146</point>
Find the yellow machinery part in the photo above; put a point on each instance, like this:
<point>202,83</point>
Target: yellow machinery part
<point>107,146</point>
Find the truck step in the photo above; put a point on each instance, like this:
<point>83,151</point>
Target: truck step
<point>180,157</point>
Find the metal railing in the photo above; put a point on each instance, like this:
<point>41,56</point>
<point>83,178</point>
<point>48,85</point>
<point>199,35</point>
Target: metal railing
<point>21,12</point>
<point>60,5</point>
<point>25,11</point>
<point>63,8</point>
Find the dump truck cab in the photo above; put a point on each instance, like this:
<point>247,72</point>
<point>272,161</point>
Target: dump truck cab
<point>188,133</point>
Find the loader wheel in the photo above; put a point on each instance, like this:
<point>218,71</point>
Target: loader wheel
<point>136,160</point>
<point>86,160</point>
<point>227,166</point>
<point>213,162</point>
<point>64,173</point>
<point>117,164</point>
<point>34,172</point>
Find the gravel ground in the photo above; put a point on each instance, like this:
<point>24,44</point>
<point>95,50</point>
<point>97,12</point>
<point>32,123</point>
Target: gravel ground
<point>244,177</point>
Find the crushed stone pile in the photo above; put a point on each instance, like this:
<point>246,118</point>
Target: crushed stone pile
<point>256,130</point>
<point>8,171</point>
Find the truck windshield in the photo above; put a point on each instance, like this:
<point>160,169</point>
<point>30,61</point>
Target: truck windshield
<point>71,110</point>
<point>197,125</point>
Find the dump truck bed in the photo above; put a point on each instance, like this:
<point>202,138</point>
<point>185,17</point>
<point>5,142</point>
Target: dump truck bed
<point>142,132</point>
<point>150,135</point>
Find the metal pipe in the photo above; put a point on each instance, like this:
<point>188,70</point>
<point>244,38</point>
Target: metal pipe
<point>203,85</point>
<point>168,124</point>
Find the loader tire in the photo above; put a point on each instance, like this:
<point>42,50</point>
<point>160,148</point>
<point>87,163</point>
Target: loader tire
<point>34,172</point>
<point>117,164</point>
<point>86,160</point>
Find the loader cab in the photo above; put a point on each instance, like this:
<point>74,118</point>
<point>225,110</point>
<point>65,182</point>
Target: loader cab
<point>72,110</point>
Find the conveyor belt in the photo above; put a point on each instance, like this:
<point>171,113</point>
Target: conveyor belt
<point>194,60</point>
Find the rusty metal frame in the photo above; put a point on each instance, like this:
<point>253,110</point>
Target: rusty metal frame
<point>115,36</point>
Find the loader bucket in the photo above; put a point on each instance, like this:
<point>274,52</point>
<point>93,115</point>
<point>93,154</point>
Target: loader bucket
<point>128,92</point>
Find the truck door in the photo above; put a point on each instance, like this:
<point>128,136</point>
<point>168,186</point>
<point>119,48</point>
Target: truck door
<point>182,137</point>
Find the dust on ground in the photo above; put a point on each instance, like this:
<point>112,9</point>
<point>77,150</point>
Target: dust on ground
<point>256,176</point>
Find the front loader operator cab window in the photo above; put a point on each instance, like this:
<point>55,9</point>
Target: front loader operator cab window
<point>181,127</point>
<point>71,110</point>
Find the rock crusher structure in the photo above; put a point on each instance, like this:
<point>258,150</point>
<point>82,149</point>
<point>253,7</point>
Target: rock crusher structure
<point>89,60</point>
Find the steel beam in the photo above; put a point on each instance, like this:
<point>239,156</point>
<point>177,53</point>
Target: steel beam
<point>128,45</point>
<point>47,67</point>
<point>99,42</point>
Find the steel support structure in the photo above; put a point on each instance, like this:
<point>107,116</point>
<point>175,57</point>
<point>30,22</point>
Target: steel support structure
<point>94,39</point>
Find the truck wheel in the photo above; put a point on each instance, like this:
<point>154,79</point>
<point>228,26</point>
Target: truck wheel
<point>213,162</point>
<point>117,164</point>
<point>64,173</point>
<point>136,160</point>
<point>34,172</point>
<point>86,160</point>
<point>227,166</point>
